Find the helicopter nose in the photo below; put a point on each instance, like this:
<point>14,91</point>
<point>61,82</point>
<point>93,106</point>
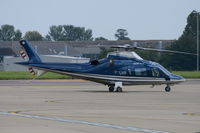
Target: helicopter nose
<point>177,78</point>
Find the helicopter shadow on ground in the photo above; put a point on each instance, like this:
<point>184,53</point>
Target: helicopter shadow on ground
<point>104,91</point>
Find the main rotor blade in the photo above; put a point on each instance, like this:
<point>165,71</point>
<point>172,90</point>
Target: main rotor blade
<point>126,47</point>
<point>163,50</point>
<point>129,47</point>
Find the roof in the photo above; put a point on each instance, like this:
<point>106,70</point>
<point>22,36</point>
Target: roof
<point>78,48</point>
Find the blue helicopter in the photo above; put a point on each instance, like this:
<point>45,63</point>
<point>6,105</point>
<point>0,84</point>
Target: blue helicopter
<point>118,69</point>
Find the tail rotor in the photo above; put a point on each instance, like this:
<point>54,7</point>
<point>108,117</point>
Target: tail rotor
<point>23,54</point>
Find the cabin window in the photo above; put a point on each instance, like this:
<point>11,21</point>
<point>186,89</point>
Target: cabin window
<point>129,72</point>
<point>140,72</point>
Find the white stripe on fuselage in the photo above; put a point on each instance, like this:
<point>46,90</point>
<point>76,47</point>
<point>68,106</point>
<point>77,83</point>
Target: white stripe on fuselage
<point>110,78</point>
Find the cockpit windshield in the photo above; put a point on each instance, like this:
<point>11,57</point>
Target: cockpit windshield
<point>160,67</point>
<point>163,69</point>
<point>125,54</point>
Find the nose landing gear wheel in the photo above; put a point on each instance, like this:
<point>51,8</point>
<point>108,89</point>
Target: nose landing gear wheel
<point>167,89</point>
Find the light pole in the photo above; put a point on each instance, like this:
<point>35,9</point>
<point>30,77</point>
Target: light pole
<point>197,41</point>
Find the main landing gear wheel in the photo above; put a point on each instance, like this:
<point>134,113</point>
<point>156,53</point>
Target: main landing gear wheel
<point>167,88</point>
<point>111,88</point>
<point>119,89</point>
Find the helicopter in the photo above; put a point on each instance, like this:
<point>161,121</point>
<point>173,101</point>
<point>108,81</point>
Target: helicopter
<point>118,69</point>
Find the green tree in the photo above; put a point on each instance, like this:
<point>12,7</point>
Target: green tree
<point>18,35</point>
<point>47,38</point>
<point>33,36</point>
<point>8,33</point>
<point>56,33</point>
<point>187,43</point>
<point>121,34</point>
<point>148,55</point>
<point>100,39</point>
<point>86,35</point>
<point>69,33</point>
<point>104,52</point>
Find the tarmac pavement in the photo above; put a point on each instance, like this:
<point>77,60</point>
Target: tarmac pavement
<point>77,106</point>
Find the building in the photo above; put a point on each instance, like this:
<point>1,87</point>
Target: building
<point>51,50</point>
<point>9,61</point>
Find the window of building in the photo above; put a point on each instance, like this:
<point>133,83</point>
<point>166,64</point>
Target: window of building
<point>1,59</point>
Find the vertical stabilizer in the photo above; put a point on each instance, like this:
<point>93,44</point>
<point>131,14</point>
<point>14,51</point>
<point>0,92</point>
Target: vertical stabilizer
<point>33,56</point>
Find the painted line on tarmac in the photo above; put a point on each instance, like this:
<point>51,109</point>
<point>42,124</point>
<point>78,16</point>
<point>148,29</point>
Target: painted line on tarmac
<point>127,128</point>
<point>76,80</point>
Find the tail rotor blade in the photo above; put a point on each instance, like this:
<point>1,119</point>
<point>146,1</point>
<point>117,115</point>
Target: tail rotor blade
<point>36,73</point>
<point>23,54</point>
<point>31,70</point>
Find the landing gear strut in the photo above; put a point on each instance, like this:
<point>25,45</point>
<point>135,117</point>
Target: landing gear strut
<point>167,88</point>
<point>117,87</point>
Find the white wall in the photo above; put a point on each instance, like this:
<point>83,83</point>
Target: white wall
<point>9,61</point>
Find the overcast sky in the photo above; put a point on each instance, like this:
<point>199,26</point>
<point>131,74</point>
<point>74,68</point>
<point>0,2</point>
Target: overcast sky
<point>143,19</point>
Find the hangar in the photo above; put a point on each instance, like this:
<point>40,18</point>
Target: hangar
<point>65,51</point>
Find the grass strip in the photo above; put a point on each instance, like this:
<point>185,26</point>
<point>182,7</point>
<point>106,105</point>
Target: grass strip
<point>187,74</point>
<point>27,75</point>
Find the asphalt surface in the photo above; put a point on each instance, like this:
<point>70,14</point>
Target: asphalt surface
<point>77,106</point>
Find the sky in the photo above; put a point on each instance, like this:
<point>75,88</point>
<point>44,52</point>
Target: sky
<point>143,19</point>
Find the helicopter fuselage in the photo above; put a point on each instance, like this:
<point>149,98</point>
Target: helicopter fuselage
<point>129,71</point>
<point>116,70</point>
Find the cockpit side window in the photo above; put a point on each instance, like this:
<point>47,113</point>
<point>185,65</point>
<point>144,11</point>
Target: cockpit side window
<point>155,72</point>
